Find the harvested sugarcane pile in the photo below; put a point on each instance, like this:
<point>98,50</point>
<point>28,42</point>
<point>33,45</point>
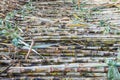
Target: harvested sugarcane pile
<point>10,5</point>
<point>59,39</point>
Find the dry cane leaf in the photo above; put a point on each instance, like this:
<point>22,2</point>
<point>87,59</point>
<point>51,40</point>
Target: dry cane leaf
<point>76,16</point>
<point>76,25</point>
<point>2,15</point>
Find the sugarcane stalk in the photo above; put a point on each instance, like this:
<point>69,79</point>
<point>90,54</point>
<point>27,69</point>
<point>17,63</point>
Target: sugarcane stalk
<point>91,70</point>
<point>72,65</point>
<point>59,60</point>
<point>77,74</point>
<point>60,77</point>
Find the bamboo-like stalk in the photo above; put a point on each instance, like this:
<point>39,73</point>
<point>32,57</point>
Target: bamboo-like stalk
<point>62,66</point>
<point>89,39</point>
<point>55,70</point>
<point>69,49</point>
<point>78,74</point>
<point>72,54</point>
<point>59,60</point>
<point>52,77</point>
<point>78,52</point>
<point>84,36</point>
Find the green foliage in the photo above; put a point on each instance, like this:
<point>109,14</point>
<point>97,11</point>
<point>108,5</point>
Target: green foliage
<point>1,22</point>
<point>26,9</point>
<point>118,55</point>
<point>73,1</point>
<point>106,25</point>
<point>107,29</point>
<point>10,29</point>
<point>81,10</point>
<point>114,0</point>
<point>113,73</point>
<point>102,23</point>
